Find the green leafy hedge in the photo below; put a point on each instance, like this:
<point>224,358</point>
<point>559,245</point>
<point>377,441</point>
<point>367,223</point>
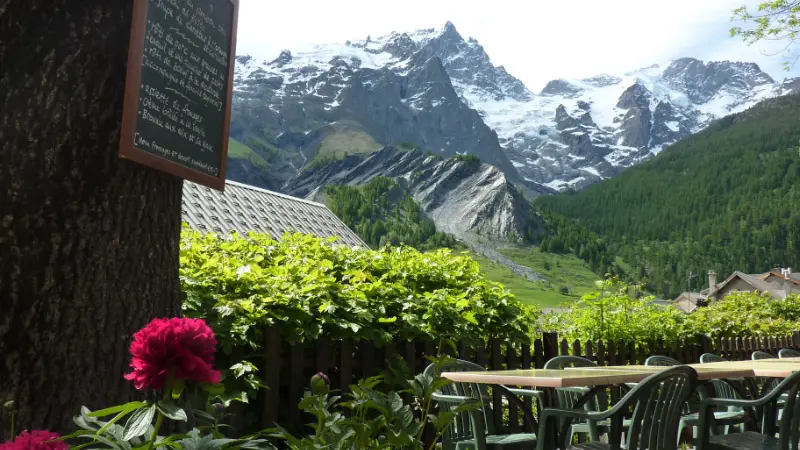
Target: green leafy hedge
<point>311,288</point>
<point>619,312</point>
<point>747,315</point>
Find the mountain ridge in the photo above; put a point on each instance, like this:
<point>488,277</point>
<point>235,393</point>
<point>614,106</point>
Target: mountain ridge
<point>435,87</point>
<point>464,197</point>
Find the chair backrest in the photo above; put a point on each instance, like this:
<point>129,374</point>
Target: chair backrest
<point>710,358</point>
<point>560,362</point>
<point>461,428</point>
<point>657,404</point>
<point>758,354</point>
<point>788,353</point>
<point>789,428</point>
<point>568,398</point>
<point>658,360</point>
<point>722,389</point>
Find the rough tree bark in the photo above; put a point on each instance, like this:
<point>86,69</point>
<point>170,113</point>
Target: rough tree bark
<point>88,242</point>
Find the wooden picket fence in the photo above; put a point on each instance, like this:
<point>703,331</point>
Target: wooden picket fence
<point>286,368</point>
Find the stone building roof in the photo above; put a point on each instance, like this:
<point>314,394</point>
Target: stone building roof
<point>243,208</point>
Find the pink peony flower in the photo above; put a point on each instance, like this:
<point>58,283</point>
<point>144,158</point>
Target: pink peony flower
<point>185,346</point>
<point>35,440</point>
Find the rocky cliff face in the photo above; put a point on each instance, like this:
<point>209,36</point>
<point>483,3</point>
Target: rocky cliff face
<point>394,91</point>
<point>462,196</point>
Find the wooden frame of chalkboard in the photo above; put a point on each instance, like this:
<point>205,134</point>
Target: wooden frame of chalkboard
<point>133,89</point>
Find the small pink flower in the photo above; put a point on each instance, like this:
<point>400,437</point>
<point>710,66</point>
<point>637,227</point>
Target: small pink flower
<point>185,346</point>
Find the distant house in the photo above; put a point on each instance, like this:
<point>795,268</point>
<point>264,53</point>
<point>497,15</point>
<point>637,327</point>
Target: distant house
<point>243,208</point>
<point>778,283</point>
<point>687,301</point>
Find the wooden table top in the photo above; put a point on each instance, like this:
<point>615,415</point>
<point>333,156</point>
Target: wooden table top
<point>763,367</point>
<point>610,375</point>
<point>774,360</point>
<point>550,377</point>
<point>705,372</point>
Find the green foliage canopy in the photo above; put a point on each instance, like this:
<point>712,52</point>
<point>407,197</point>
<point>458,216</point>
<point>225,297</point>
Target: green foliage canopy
<point>747,314</point>
<point>617,312</point>
<point>310,288</point>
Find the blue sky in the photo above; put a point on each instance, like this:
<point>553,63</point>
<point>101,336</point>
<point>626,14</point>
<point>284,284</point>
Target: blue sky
<point>536,41</point>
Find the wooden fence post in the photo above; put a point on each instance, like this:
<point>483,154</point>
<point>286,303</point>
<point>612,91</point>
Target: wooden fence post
<point>550,344</point>
<point>706,346</point>
<point>272,376</point>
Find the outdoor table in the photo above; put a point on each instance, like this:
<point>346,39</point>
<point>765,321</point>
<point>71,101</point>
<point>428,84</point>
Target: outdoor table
<point>705,372</point>
<point>599,378</point>
<point>550,379</point>
<point>778,368</point>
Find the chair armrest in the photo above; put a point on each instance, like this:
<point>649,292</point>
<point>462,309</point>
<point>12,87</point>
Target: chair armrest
<point>775,394</point>
<point>450,400</point>
<point>577,390</point>
<point>580,414</point>
<point>526,392</point>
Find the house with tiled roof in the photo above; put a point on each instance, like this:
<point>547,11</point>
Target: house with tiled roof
<point>243,208</point>
<point>778,283</point>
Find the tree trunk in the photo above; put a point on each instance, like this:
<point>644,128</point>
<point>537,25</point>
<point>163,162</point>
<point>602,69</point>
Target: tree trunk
<point>88,242</point>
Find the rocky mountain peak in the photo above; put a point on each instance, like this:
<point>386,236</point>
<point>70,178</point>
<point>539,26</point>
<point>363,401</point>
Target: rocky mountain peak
<point>561,87</point>
<point>449,32</point>
<point>701,81</point>
<point>636,96</point>
<point>284,58</point>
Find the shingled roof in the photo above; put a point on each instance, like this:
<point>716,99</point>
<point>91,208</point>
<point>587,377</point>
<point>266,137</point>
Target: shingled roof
<point>243,208</point>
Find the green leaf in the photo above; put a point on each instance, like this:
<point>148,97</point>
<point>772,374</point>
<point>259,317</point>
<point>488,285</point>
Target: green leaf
<point>216,389</point>
<point>138,423</point>
<point>130,407</point>
<point>115,409</point>
<point>171,410</point>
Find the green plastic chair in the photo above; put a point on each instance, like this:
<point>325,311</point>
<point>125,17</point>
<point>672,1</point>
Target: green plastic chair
<point>474,429</point>
<point>711,358</point>
<point>659,360</point>
<point>788,353</point>
<point>692,419</point>
<point>787,429</point>
<point>569,397</point>
<point>758,354</point>
<point>768,383</point>
<point>723,389</point>
<point>655,407</point>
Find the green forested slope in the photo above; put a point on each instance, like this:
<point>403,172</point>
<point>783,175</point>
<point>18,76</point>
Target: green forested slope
<point>726,199</point>
<point>382,212</point>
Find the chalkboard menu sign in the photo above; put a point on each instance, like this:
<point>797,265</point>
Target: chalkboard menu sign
<point>178,90</point>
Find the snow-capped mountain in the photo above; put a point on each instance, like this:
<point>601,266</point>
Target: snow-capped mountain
<point>441,93</point>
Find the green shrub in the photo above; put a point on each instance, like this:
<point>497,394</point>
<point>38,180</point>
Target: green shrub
<point>311,288</point>
<point>616,312</point>
<point>747,314</point>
